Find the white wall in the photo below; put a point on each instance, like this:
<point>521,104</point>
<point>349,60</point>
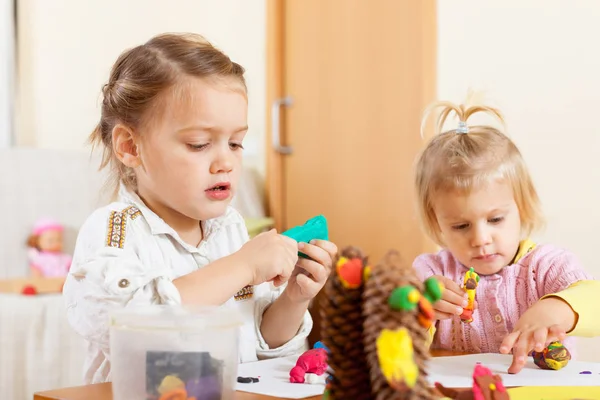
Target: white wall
<point>539,60</point>
<point>66,49</point>
<point>7,70</point>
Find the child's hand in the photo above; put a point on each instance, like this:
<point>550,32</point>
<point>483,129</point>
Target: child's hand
<point>310,275</point>
<point>544,322</point>
<point>453,299</point>
<point>270,257</point>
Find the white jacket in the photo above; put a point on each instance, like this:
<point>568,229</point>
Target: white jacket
<point>127,255</point>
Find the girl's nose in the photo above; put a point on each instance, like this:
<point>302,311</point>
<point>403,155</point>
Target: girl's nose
<point>481,237</point>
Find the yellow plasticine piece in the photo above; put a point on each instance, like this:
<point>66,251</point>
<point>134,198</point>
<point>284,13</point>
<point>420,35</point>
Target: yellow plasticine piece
<point>396,358</point>
<point>367,273</point>
<point>414,296</point>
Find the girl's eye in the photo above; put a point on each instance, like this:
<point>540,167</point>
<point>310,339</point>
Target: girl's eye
<point>197,146</point>
<point>496,220</point>
<point>236,146</point>
<point>460,227</point>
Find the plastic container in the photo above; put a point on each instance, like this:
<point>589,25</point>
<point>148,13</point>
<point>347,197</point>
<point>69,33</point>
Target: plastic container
<point>174,353</point>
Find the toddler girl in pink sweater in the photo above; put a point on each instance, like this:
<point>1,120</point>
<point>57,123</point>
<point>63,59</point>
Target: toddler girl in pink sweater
<point>477,200</point>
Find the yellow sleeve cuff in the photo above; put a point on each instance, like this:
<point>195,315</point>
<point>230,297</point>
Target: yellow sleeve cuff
<point>580,297</point>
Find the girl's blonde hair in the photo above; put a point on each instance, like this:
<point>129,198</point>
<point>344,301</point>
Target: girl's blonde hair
<point>140,77</point>
<point>468,157</point>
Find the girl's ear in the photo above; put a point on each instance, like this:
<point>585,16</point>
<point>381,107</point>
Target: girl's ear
<point>32,241</point>
<point>124,146</point>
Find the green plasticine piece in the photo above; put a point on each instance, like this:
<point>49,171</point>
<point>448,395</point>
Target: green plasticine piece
<point>314,228</point>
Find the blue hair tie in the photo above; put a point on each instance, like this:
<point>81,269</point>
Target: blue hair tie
<point>463,128</point>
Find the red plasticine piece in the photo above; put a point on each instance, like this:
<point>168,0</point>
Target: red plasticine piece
<point>29,290</point>
<point>313,361</point>
<point>351,272</point>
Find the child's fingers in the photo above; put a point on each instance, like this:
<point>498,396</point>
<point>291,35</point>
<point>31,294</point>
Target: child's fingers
<point>517,364</point>
<point>326,245</point>
<point>446,307</point>
<point>458,300</point>
<point>450,286</point>
<point>290,244</point>
<point>279,280</point>
<point>308,287</point>
<point>265,233</point>
<point>524,344</point>
<point>284,274</point>
<point>441,316</point>
<point>520,351</point>
<point>509,342</point>
<point>315,253</point>
<point>314,270</point>
<point>539,339</point>
<point>555,333</point>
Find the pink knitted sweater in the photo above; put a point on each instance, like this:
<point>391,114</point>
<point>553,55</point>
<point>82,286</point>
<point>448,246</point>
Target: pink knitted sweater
<point>501,298</point>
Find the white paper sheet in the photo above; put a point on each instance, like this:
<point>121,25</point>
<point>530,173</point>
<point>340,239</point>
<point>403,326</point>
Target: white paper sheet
<point>458,371</point>
<point>449,371</point>
<point>275,379</point>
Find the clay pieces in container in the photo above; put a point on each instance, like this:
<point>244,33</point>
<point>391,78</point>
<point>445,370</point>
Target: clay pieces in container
<point>183,375</point>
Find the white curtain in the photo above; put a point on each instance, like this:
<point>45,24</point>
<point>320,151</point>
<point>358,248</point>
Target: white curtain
<point>7,71</point>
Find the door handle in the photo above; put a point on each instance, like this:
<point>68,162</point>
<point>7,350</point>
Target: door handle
<point>276,122</point>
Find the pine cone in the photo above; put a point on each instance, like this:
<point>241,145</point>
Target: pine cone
<point>391,273</point>
<point>342,328</point>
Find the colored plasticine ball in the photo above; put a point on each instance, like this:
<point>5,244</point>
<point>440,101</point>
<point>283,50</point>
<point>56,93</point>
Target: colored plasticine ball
<point>555,356</point>
<point>433,289</point>
<point>404,298</point>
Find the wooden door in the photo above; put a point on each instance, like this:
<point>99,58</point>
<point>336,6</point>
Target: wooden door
<point>359,74</point>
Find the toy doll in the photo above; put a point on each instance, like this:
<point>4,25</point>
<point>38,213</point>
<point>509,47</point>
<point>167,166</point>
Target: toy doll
<point>46,257</point>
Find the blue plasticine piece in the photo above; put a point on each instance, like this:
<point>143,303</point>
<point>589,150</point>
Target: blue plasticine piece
<point>314,228</point>
<point>320,345</point>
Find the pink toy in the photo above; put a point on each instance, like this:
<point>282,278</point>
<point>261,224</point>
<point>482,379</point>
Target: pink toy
<point>313,361</point>
<point>486,386</point>
<point>485,382</point>
<point>46,258</point>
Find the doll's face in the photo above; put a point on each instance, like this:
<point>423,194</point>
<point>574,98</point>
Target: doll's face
<point>51,240</point>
